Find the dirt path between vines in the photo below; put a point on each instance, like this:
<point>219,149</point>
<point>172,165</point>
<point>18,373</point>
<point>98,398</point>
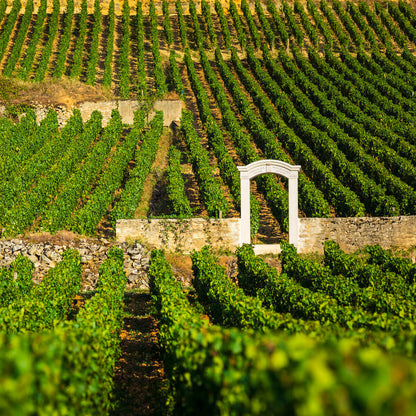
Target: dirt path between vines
<point>139,382</point>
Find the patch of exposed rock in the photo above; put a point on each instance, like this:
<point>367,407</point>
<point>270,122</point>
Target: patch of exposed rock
<point>41,111</point>
<point>45,255</point>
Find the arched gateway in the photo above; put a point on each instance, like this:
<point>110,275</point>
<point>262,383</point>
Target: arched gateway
<point>277,167</point>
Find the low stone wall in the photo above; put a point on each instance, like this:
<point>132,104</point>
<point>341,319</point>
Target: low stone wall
<point>356,233</point>
<point>172,110</point>
<point>45,256</point>
<point>137,237</point>
<point>350,233</point>
<point>182,235</point>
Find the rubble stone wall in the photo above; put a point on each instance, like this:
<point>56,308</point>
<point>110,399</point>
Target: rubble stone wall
<point>172,111</point>
<point>45,255</point>
<point>350,233</point>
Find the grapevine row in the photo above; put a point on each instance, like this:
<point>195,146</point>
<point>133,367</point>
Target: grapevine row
<point>225,30</point>
<point>27,63</point>
<point>208,20</point>
<point>159,76</point>
<point>64,41</point>
<point>93,55</point>
<point>79,45</point>
<point>49,302</point>
<point>254,33</point>
<point>123,60</point>
<point>129,200</point>
<point>86,219</point>
<point>8,26</point>
<point>167,27</point>
<point>175,188</point>
<point>241,35</point>
<point>20,38</point>
<point>140,51</point>
<point>108,70</point>
<point>210,188</point>
<point>181,23</point>
<point>19,288</point>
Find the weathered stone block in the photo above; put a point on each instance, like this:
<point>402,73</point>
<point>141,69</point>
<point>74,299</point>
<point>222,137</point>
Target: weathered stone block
<point>182,235</point>
<point>355,233</point>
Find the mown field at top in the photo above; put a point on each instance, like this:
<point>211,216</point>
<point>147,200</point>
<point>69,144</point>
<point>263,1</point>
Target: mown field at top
<point>328,86</point>
<point>118,5</point>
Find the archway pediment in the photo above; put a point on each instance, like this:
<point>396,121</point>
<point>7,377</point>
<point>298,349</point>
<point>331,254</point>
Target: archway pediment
<point>261,167</point>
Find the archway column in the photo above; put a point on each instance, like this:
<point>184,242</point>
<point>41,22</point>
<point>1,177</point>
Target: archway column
<point>261,167</point>
<point>245,209</point>
<point>293,210</point>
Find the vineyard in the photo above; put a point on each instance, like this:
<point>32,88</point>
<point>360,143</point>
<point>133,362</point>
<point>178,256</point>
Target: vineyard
<point>326,85</point>
<point>319,338</point>
<point>334,84</point>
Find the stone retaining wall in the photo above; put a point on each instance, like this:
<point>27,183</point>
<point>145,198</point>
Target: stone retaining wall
<point>182,235</point>
<point>45,256</point>
<point>186,235</point>
<point>356,233</point>
<point>350,233</point>
<point>172,111</point>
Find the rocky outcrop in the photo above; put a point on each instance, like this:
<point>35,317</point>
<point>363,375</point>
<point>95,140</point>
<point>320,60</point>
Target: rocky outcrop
<point>45,255</point>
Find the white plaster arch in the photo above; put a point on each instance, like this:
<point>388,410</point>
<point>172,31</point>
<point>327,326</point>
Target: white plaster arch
<point>261,167</point>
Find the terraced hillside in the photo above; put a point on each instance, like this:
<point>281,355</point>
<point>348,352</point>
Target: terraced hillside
<point>329,86</point>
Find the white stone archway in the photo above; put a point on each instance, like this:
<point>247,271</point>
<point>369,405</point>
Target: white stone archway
<point>261,167</point>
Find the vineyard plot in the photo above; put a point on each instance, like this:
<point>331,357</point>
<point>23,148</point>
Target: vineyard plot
<point>327,85</point>
<point>324,86</point>
<point>69,357</point>
<point>255,343</point>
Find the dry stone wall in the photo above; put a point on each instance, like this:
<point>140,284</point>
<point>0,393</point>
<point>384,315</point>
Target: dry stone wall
<point>41,111</point>
<point>355,233</point>
<point>182,235</point>
<point>172,111</point>
<point>350,233</point>
<point>137,237</point>
<point>45,255</point>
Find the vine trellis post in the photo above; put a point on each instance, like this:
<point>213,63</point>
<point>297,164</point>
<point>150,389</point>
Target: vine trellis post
<point>276,167</point>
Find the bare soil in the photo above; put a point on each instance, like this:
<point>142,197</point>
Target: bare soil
<point>140,384</point>
<point>62,92</point>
